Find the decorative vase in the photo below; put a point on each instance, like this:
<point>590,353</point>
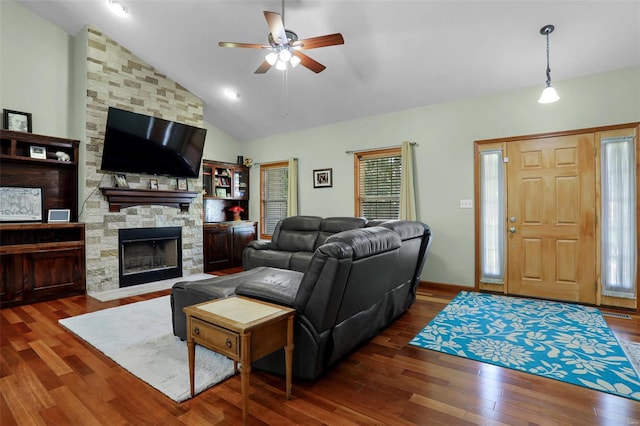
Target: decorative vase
<point>236,216</point>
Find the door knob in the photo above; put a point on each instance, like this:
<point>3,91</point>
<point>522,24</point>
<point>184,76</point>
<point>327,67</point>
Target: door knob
<point>512,229</point>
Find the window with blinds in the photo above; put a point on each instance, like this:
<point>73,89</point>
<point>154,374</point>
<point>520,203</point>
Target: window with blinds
<point>378,175</point>
<point>274,179</point>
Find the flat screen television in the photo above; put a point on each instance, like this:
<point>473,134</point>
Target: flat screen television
<point>138,143</point>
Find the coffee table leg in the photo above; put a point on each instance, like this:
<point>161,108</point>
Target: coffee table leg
<point>191,349</point>
<point>245,370</point>
<point>288,356</point>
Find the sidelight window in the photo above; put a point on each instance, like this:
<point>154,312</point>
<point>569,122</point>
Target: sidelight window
<point>492,217</point>
<point>619,245</point>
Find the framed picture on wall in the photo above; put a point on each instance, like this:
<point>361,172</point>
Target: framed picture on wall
<point>16,120</point>
<point>323,178</point>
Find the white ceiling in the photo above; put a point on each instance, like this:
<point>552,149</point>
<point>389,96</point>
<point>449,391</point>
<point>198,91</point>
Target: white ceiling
<point>397,54</point>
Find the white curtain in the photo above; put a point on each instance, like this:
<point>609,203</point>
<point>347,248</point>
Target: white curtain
<point>619,245</point>
<point>407,190</point>
<point>492,217</point>
<point>292,188</point>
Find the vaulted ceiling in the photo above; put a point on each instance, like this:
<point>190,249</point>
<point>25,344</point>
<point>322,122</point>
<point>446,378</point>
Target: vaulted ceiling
<point>397,55</point>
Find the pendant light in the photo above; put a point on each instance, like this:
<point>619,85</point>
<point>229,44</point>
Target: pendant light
<point>549,94</point>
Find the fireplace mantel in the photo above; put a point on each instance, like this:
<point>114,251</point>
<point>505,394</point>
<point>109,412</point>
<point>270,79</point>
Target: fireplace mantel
<point>121,198</point>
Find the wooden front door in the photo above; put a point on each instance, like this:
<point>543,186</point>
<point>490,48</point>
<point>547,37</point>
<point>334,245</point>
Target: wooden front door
<point>551,213</point>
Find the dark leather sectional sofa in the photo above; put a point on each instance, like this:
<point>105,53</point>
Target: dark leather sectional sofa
<point>354,284</point>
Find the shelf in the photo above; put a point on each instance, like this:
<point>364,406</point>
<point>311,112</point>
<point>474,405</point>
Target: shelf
<point>121,198</point>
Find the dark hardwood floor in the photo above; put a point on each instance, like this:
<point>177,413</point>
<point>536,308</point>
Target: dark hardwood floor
<point>48,376</point>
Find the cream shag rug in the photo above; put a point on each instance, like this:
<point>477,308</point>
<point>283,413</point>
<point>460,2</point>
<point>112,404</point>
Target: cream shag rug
<point>139,337</point>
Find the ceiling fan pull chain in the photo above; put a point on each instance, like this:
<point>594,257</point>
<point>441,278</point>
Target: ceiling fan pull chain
<point>285,106</point>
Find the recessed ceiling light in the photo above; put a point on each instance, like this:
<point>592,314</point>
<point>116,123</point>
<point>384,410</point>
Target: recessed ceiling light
<point>118,7</point>
<point>231,94</point>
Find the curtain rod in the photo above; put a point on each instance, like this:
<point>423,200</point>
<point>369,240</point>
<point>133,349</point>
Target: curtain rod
<point>270,162</point>
<point>382,147</point>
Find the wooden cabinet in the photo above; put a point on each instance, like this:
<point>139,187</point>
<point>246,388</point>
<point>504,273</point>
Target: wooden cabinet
<point>225,180</point>
<point>226,186</point>
<point>224,243</point>
<point>39,260</point>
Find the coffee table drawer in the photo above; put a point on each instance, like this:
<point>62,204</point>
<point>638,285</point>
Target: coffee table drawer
<point>216,338</point>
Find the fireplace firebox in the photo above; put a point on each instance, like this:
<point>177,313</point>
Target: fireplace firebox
<point>149,254</point>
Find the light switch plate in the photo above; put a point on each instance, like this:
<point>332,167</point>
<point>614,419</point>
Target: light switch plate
<point>466,204</point>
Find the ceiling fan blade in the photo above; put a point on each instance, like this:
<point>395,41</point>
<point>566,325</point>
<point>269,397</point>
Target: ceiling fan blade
<point>264,67</point>
<point>276,27</point>
<point>248,45</point>
<point>312,64</point>
<point>321,41</point>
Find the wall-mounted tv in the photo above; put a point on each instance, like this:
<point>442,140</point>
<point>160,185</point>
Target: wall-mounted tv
<point>138,143</point>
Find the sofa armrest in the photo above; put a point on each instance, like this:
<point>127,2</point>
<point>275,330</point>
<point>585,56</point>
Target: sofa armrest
<point>261,245</point>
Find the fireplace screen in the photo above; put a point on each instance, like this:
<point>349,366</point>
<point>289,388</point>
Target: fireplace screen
<point>149,254</point>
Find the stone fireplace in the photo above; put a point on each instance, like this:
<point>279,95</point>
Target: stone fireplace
<point>149,254</point>
<point>116,77</point>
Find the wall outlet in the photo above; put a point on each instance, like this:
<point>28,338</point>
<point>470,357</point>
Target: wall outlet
<point>466,204</point>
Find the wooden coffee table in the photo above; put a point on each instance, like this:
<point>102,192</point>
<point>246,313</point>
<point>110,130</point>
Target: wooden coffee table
<point>244,330</point>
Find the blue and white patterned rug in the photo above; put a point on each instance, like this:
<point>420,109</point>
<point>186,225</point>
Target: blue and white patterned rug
<point>561,341</point>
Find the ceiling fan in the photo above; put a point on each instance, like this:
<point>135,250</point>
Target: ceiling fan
<point>285,48</point>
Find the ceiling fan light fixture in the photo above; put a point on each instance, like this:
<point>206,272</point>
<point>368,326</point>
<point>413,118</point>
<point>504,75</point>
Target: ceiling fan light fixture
<point>294,61</point>
<point>285,55</point>
<point>281,65</point>
<point>271,58</point>
<point>549,94</point>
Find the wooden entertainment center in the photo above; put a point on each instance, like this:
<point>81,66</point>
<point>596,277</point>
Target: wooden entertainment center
<point>39,260</point>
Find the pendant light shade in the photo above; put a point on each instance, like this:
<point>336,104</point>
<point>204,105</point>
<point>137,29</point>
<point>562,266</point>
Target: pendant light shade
<point>549,94</point>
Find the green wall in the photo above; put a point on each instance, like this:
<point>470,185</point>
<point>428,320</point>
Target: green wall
<point>445,135</point>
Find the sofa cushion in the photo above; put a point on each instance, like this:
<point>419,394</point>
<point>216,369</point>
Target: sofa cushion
<point>296,240</point>
<point>296,233</point>
<point>367,241</point>
<point>271,284</point>
<point>300,260</point>
<point>275,258</point>
<point>333,225</point>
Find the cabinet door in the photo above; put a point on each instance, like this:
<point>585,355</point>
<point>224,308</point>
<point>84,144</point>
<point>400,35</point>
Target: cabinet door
<point>241,237</point>
<point>207,179</point>
<point>217,248</point>
<point>222,182</point>
<point>11,278</point>
<point>241,184</point>
<point>52,273</point>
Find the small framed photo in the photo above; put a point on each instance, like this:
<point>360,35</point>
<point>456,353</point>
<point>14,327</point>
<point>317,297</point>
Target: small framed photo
<point>153,183</point>
<point>37,152</point>
<point>323,178</point>
<point>120,181</point>
<point>181,184</point>
<point>16,120</point>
